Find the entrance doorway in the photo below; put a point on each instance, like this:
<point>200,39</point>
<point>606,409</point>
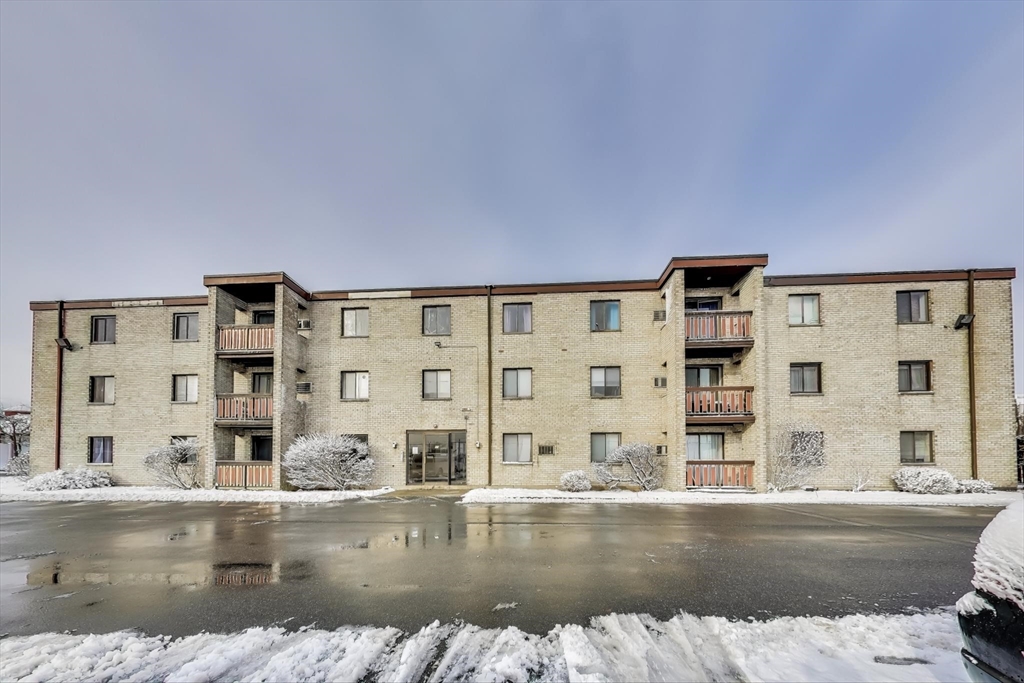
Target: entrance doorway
<point>438,457</point>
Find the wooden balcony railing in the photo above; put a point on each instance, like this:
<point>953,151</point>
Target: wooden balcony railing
<point>242,474</point>
<point>245,407</point>
<point>738,473</point>
<point>239,338</point>
<point>719,400</point>
<point>717,325</point>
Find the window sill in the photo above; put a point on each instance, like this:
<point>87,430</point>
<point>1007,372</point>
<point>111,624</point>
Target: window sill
<point>517,398</point>
<point>917,464</point>
<point>355,400</point>
<point>100,464</point>
<point>184,403</point>
<point>98,343</point>
<point>516,463</point>
<point>913,322</point>
<point>618,330</point>
<point>354,336</point>
<point>437,334</point>
<point>916,393</point>
<point>186,341</point>
<point>101,403</point>
<point>437,399</point>
<point>805,324</point>
<point>606,397</point>
<point>807,393</point>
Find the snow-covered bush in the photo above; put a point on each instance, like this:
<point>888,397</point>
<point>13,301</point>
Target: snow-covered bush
<point>633,463</point>
<point>176,464</point>
<point>973,486</point>
<point>328,461</point>
<point>861,476</point>
<point>81,478</point>
<point>575,480</point>
<point>18,466</point>
<point>797,453</point>
<point>924,480</point>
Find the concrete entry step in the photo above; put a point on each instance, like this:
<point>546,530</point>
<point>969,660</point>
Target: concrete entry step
<point>428,492</point>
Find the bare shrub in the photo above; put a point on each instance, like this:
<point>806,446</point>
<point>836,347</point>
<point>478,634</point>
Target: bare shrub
<point>862,475</point>
<point>328,461</point>
<point>176,464</point>
<point>18,466</point>
<point>15,426</point>
<point>797,453</point>
<point>575,480</point>
<point>632,463</point>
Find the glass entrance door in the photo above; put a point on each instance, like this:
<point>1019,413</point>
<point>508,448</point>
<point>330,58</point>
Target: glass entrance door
<point>435,460</point>
<point>438,457</point>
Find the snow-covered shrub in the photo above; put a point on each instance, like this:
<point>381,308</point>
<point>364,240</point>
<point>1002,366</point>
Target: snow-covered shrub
<point>81,478</point>
<point>575,480</point>
<point>924,480</point>
<point>328,461</point>
<point>633,463</point>
<point>797,453</point>
<point>973,486</point>
<point>18,466</point>
<point>176,464</point>
<point>861,476</point>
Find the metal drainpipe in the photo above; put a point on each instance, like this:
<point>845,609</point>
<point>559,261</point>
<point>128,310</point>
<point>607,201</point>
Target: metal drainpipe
<point>60,386</point>
<point>970,376</point>
<point>490,397</point>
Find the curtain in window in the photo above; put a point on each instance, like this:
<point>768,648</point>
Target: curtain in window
<point>362,385</point>
<point>525,383</point>
<point>430,384</point>
<point>510,384</point>
<point>597,381</point>
<point>612,309</point>
<point>430,320</point>
<point>444,384</point>
<point>907,446</point>
<point>795,310</point>
<point>918,306</point>
<point>810,310</point>
<point>597,448</point>
<point>918,377</point>
<point>101,449</point>
<point>510,318</point>
<point>526,318</point>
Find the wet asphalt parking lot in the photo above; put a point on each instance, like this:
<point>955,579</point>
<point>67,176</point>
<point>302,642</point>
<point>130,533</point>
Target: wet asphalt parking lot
<point>177,569</point>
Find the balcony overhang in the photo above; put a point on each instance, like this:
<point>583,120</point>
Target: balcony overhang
<point>244,424</point>
<point>696,420</point>
<point>717,348</point>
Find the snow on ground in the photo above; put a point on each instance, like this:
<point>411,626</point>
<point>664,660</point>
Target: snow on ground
<point>12,488</point>
<point>996,498</point>
<point>999,558</point>
<point>913,647</point>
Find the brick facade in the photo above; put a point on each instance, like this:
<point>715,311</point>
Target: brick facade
<point>857,341</point>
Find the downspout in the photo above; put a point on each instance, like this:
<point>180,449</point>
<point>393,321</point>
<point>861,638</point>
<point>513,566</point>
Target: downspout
<point>60,385</point>
<point>490,393</point>
<point>970,376</point>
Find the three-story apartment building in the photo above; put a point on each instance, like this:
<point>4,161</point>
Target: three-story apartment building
<point>512,385</point>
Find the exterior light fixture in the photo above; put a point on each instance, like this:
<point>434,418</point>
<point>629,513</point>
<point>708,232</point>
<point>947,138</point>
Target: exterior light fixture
<point>963,321</point>
<point>64,343</point>
<point>437,344</point>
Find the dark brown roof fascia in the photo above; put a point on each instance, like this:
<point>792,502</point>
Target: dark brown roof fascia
<point>109,303</point>
<point>751,260</point>
<point>279,278</point>
<point>577,287</point>
<point>887,278</point>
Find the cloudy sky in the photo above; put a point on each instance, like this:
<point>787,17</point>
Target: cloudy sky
<point>363,145</point>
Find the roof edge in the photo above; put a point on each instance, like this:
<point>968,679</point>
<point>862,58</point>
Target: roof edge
<point>890,277</point>
<point>122,302</point>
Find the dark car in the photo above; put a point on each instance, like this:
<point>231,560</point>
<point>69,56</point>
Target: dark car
<point>991,625</point>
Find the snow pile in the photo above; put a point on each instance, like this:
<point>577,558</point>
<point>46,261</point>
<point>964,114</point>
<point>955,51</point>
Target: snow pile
<point>973,486</point>
<point>917,647</point>
<point>924,480</point>
<point>999,558</point>
<point>57,480</point>
<point>499,496</point>
<point>576,481</point>
<point>15,489</point>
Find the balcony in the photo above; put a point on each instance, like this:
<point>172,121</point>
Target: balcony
<point>244,410</point>
<point>718,330</point>
<point>719,405</point>
<point>720,474</point>
<point>245,341</point>
<point>241,474</point>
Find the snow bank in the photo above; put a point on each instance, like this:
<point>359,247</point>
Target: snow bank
<point>630,647</point>
<point>14,489</point>
<point>487,496</point>
<point>999,559</point>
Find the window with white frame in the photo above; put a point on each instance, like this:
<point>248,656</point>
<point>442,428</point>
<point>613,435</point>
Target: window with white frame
<point>355,322</point>
<point>355,385</point>
<point>518,318</point>
<point>101,450</point>
<point>185,388</point>
<point>517,383</point>
<point>101,389</point>
<point>437,320</point>
<point>517,448</point>
<point>603,444</point>
<point>437,384</point>
<point>803,309</point>
<point>605,382</point>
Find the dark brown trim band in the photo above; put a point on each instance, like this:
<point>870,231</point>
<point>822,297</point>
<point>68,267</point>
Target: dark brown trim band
<point>110,303</point>
<point>279,278</point>
<point>892,277</point>
<point>744,260</point>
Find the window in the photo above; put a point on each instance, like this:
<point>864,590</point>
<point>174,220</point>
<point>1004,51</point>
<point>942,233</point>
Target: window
<point>661,382</point>
<point>518,318</point>
<point>915,447</point>
<point>517,448</point>
<point>192,457</point>
<point>437,320</point>
<point>605,382</point>
<point>517,383</point>
<point>186,389</point>
<point>705,446</point>
<point>805,378</point>
<point>661,449</point>
<point>355,386</point>
<point>437,384</point>
<point>604,316</point>
<point>262,448</point>
<point>101,389</point>
<point>101,450</point>
<point>262,382</point>
<point>355,322</point>
<point>546,450</point>
<point>103,329</point>
<point>803,309</point>
<point>704,376</point>
<point>603,444</point>
<point>186,326</point>
<point>915,376</point>
<point>912,307</point>
<point>705,304</point>
<point>262,317</point>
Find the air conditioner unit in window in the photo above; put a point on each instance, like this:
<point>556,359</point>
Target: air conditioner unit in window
<point>661,382</point>
<point>304,387</point>
<point>659,315</point>
<point>661,450</point>
<point>305,324</point>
